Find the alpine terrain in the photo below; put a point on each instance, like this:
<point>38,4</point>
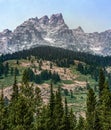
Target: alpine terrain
<point>54,32</point>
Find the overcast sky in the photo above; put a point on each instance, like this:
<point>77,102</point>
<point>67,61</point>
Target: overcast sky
<point>91,15</point>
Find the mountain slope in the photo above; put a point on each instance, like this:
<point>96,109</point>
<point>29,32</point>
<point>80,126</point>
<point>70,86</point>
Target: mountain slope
<point>54,32</point>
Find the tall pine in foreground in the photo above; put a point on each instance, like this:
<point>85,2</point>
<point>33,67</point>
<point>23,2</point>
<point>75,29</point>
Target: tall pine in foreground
<point>3,113</point>
<point>72,120</point>
<point>58,111</point>
<point>105,108</point>
<point>21,112</point>
<point>66,121</point>
<point>81,123</point>
<point>51,107</point>
<point>12,106</point>
<point>91,106</point>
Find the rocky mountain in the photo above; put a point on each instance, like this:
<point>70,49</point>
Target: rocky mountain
<point>54,32</point>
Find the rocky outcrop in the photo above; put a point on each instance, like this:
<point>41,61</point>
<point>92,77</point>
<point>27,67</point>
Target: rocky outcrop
<point>54,32</point>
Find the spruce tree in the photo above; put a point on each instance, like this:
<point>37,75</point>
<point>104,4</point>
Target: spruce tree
<point>15,89</point>
<point>101,81</point>
<point>25,77</point>
<point>12,105</point>
<point>21,114</point>
<point>97,125</point>
<point>81,123</point>
<point>50,121</point>
<point>66,121</point>
<point>105,108</point>
<point>59,111</point>
<point>52,101</point>
<point>91,104</point>
<point>21,108</point>
<point>72,120</point>
<point>2,112</point>
<point>38,106</point>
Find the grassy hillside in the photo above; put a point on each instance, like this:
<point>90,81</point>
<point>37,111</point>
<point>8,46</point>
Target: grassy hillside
<point>73,83</point>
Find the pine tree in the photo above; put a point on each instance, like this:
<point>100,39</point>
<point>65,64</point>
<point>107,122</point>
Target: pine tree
<point>81,123</point>
<point>97,125</point>
<point>40,65</point>
<point>25,77</point>
<point>23,114</point>
<point>16,71</point>
<point>50,121</point>
<point>22,107</point>
<point>43,120</point>
<point>37,100</point>
<point>52,101</point>
<point>2,112</point>
<point>17,62</point>
<point>12,105</point>
<point>6,69</point>
<point>15,89</point>
<point>101,81</point>
<point>105,108</point>
<point>91,105</point>
<point>12,71</point>
<point>58,111</point>
<point>66,121</point>
<point>51,65</point>
<point>38,107</point>
<point>72,120</point>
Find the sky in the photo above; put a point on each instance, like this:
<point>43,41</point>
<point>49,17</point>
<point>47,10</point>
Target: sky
<point>91,15</point>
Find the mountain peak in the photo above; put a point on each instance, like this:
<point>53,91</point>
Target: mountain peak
<point>56,19</point>
<point>109,31</point>
<point>79,29</point>
<point>54,32</point>
<point>59,15</point>
<point>6,31</point>
<point>44,20</point>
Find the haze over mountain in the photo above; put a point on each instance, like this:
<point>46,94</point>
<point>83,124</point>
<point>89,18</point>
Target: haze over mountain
<point>54,32</point>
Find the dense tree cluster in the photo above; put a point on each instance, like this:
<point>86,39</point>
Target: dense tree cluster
<point>88,69</point>
<point>6,70</point>
<point>29,75</point>
<point>98,115</point>
<point>61,56</point>
<point>26,111</point>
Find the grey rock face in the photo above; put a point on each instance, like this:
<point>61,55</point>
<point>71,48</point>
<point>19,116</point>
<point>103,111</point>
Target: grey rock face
<point>54,32</point>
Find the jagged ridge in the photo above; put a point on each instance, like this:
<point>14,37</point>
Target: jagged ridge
<point>54,32</point>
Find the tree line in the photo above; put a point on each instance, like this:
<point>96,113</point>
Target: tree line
<point>61,57</point>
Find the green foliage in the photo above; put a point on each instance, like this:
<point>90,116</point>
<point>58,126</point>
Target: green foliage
<point>105,108</point>
<point>101,81</point>
<point>91,106</point>
<point>15,89</point>
<point>21,114</point>
<point>26,111</point>
<point>3,113</point>
<point>26,76</point>
<point>81,123</point>
<point>62,57</point>
<point>67,81</point>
